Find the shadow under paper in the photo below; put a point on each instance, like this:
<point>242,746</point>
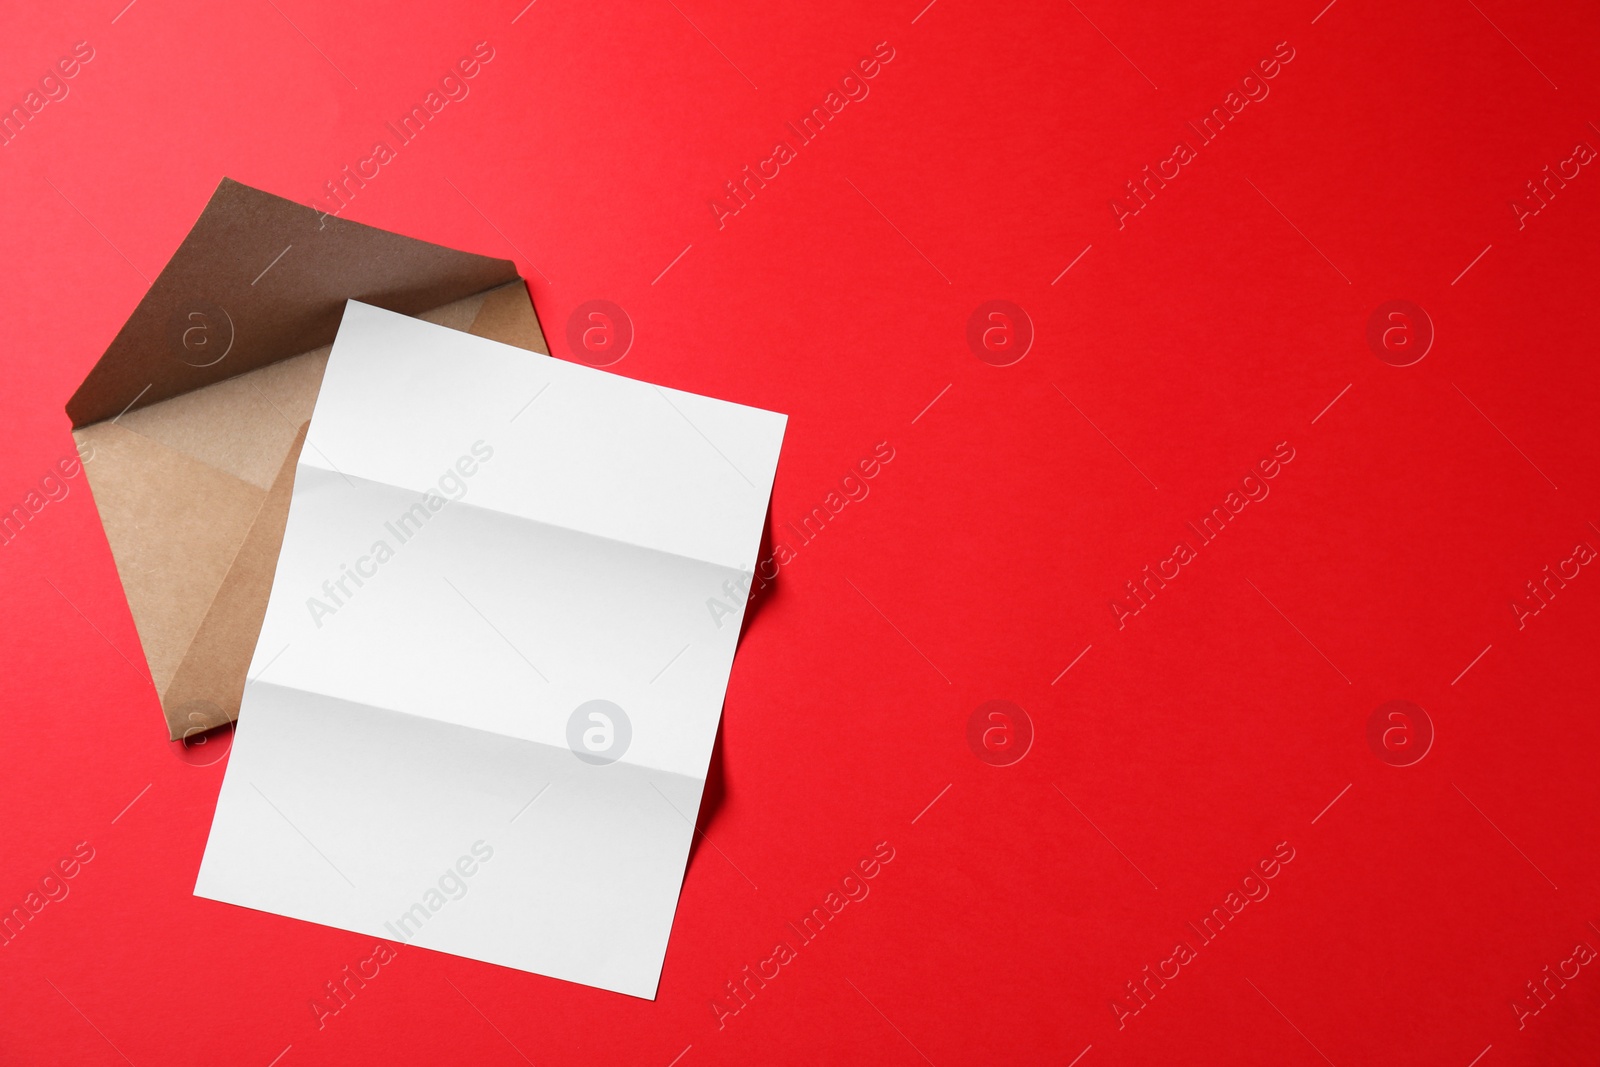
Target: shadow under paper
<point>716,788</point>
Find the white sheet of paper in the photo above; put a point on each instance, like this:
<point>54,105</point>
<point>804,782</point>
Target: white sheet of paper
<point>481,541</point>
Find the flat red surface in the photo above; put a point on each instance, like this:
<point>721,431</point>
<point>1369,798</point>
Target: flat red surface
<point>1173,749</point>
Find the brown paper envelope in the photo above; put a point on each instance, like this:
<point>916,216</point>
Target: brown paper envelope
<point>192,479</point>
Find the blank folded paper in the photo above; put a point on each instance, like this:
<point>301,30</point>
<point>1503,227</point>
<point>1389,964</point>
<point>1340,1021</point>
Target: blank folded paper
<point>484,698</point>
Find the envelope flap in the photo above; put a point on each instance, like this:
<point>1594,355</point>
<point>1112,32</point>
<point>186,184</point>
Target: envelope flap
<point>174,524</point>
<point>259,279</point>
<point>208,683</point>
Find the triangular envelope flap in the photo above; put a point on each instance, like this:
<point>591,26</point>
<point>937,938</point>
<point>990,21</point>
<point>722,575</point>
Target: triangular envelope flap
<point>259,279</point>
<point>174,524</point>
<point>209,683</point>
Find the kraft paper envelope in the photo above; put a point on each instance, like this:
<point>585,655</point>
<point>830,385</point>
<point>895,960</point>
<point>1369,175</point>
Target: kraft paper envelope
<point>485,693</point>
<point>191,421</point>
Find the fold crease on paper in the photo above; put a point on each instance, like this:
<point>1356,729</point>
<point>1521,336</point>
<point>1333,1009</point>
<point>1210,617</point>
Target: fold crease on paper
<point>481,544</point>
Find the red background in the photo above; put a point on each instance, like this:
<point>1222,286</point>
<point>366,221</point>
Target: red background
<point>1220,320</point>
